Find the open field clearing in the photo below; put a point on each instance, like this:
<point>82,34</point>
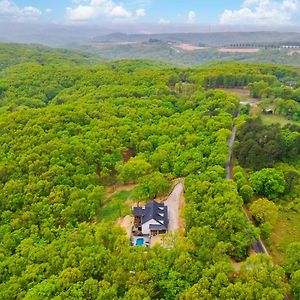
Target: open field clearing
<point>294,52</point>
<point>190,47</point>
<point>276,119</point>
<point>116,206</point>
<point>239,50</point>
<point>111,44</point>
<point>286,231</point>
<point>243,94</point>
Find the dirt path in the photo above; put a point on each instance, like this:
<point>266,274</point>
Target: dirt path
<point>173,203</point>
<point>126,223</point>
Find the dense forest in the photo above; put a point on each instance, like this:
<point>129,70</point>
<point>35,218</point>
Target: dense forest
<point>70,128</point>
<point>14,54</point>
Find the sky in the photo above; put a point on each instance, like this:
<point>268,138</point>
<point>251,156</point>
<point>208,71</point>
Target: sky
<point>231,12</point>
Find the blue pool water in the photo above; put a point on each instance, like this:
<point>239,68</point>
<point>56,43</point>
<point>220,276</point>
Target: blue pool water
<point>140,242</point>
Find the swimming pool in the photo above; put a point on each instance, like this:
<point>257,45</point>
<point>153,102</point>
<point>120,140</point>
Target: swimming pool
<point>140,242</point>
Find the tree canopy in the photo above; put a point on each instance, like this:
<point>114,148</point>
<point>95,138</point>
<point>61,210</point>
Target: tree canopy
<point>68,131</point>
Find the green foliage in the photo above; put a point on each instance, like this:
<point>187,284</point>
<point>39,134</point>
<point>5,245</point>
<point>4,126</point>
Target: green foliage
<point>293,258</point>
<point>66,131</point>
<point>259,278</point>
<point>115,206</point>
<point>208,204</point>
<point>292,178</point>
<point>257,89</point>
<point>245,109</point>
<point>260,146</point>
<point>133,169</point>
<point>268,182</point>
<point>295,284</point>
<point>260,268</point>
<point>153,185</point>
<point>266,231</point>
<point>264,211</point>
<point>246,192</point>
<point>14,54</point>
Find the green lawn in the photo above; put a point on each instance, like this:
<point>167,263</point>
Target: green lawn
<point>271,119</point>
<point>276,119</point>
<point>116,206</point>
<point>286,231</point>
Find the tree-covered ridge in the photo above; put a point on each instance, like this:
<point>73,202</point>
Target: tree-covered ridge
<point>68,131</point>
<point>14,54</point>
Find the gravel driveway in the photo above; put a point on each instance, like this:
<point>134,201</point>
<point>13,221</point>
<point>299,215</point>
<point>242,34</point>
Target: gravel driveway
<point>173,206</point>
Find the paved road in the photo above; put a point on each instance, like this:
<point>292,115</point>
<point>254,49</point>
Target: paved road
<point>230,146</point>
<point>259,246</point>
<point>173,206</point>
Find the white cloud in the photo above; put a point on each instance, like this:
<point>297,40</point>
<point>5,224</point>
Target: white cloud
<point>262,12</point>
<point>120,12</point>
<point>164,21</point>
<point>48,10</point>
<point>95,9</point>
<point>10,11</point>
<point>80,13</point>
<point>192,18</point>
<point>140,12</point>
<point>291,4</point>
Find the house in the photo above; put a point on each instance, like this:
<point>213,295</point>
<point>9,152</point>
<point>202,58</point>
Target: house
<point>152,219</point>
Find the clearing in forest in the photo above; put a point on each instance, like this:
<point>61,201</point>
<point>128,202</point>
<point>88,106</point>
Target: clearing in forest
<point>243,94</point>
<point>190,47</point>
<point>276,119</point>
<point>115,206</point>
<point>239,50</point>
<point>119,205</point>
<point>286,231</point>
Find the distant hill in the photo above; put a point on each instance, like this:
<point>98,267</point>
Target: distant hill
<point>214,39</point>
<point>55,35</point>
<point>13,54</point>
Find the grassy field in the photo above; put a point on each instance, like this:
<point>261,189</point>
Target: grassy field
<point>115,206</point>
<point>286,231</point>
<point>243,93</point>
<point>276,119</point>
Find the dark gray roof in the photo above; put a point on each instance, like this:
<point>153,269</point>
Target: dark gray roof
<point>153,210</point>
<point>138,211</point>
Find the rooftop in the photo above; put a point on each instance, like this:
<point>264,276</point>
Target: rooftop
<point>153,210</point>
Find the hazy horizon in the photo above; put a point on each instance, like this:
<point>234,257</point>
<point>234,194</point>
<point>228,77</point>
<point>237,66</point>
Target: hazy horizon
<point>61,22</point>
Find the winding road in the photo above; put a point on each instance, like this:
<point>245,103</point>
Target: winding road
<point>259,246</point>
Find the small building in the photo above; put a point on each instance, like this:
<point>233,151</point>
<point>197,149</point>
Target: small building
<point>151,219</point>
<point>268,111</point>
